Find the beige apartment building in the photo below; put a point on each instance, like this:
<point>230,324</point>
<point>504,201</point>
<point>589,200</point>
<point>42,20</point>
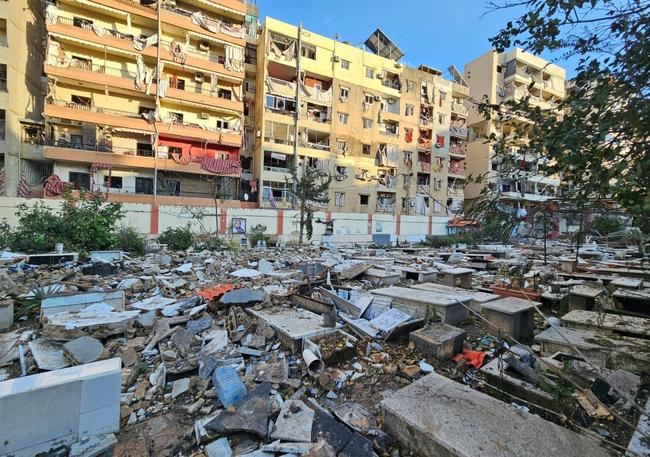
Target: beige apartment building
<point>501,77</point>
<point>383,131</point>
<point>21,102</point>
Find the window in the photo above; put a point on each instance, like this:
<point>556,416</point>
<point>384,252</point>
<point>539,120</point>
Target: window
<point>365,149</point>
<point>280,103</point>
<point>308,51</point>
<point>76,141</point>
<point>370,72</point>
<point>341,171</point>
<point>79,100</point>
<point>342,145</point>
<point>344,93</point>
<point>144,150</point>
<point>408,156</point>
<point>440,141</point>
<point>221,124</point>
<point>172,187</point>
<point>367,123</point>
<point>339,198</point>
<point>144,185</point>
<point>115,182</point>
<point>343,118</point>
<point>224,93</point>
<point>145,110</point>
<point>81,62</point>
<point>345,64</point>
<point>410,86</point>
<point>82,23</point>
<point>410,109</point>
<point>441,99</point>
<point>364,199</point>
<point>79,180</point>
<point>250,86</point>
<point>441,119</point>
<point>180,83</point>
<point>368,99</point>
<point>178,117</point>
<point>437,184</point>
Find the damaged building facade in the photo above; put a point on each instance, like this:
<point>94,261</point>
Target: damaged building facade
<point>382,130</point>
<point>113,125</point>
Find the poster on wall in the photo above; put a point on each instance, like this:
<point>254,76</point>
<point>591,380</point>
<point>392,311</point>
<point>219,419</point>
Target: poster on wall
<point>239,226</point>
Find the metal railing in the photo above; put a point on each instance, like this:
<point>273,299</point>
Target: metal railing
<point>457,149</point>
<point>459,108</point>
<point>96,109</point>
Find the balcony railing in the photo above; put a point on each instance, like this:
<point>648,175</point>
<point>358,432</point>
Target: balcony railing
<point>459,108</point>
<point>96,109</point>
<point>203,55</point>
<point>96,147</point>
<point>424,167</point>
<point>425,143</point>
<point>458,132</point>
<point>457,149</point>
<point>392,83</point>
<point>457,171</point>
<point>455,193</point>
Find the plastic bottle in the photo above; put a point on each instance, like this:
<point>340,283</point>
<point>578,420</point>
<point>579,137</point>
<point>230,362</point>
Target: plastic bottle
<point>230,389</point>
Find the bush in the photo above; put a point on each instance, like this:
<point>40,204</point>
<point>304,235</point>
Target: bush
<point>606,224</point>
<point>177,239</point>
<point>440,241</point>
<point>129,240</point>
<point>39,228</point>
<point>5,234</point>
<point>257,234</point>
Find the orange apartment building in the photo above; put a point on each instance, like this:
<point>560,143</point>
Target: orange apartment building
<point>112,125</point>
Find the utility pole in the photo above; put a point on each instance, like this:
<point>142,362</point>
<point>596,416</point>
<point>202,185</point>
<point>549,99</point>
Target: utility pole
<point>296,116</point>
<point>157,113</point>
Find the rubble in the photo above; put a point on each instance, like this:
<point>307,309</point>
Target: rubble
<point>308,352</point>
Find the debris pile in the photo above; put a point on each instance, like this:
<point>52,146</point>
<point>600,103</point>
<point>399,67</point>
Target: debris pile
<point>321,352</point>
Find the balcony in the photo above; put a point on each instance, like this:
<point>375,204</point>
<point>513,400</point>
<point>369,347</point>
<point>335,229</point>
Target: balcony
<point>385,205</point>
<point>458,132</point>
<point>103,75</point>
<point>424,167</point>
<point>459,108</point>
<point>65,151</point>
<point>457,172</point>
<point>425,143</point>
<point>121,42</point>
<point>458,149</point>
<point>453,192</point>
<point>136,121</point>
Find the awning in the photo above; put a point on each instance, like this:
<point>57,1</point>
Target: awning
<point>222,8</point>
<point>459,222</point>
<point>100,7</point>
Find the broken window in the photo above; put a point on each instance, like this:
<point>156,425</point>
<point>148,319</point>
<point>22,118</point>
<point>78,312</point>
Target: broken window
<point>339,198</point>
<point>79,100</point>
<point>365,148</point>
<point>79,180</point>
<point>308,51</point>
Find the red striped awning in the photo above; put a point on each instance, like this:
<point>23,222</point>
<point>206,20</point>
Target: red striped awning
<point>221,166</point>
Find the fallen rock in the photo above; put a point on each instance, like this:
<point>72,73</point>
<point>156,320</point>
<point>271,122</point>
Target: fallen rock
<point>82,350</point>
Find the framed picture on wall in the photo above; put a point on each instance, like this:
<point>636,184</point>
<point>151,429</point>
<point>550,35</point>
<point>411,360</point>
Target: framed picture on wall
<point>239,226</point>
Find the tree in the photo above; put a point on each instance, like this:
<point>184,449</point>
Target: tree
<point>600,142</point>
<point>311,187</point>
<point>606,224</point>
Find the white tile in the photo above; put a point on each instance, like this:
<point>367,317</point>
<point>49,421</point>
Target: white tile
<point>56,377</point>
<point>103,420</point>
<point>101,368</point>
<point>17,385</point>
<point>100,391</point>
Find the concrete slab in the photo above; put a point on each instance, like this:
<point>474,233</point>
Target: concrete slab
<point>416,303</point>
<point>456,277</point>
<point>292,324</point>
<point>73,324</point>
<point>48,354</point>
<point>625,325</point>
<point>478,298</point>
<point>440,341</point>
<point>294,422</point>
<point>605,350</point>
<point>85,349</point>
<point>382,277</point>
<point>433,415</point>
<point>511,315</point>
<point>626,283</point>
<point>639,445</point>
<point>75,302</point>
<point>415,274</point>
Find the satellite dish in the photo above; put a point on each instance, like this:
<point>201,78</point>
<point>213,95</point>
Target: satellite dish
<point>246,196</point>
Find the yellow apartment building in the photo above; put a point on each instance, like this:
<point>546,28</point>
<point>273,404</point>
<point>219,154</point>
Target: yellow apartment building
<point>21,105</point>
<point>144,101</point>
<point>501,77</point>
<point>383,131</point>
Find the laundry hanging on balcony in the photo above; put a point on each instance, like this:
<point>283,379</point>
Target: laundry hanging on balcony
<point>139,44</point>
<point>207,24</point>
<point>214,88</point>
<point>221,166</point>
<point>53,186</point>
<point>234,58</point>
<point>140,72</point>
<point>24,189</point>
<point>182,158</point>
<point>51,14</point>
<point>179,51</point>
<point>409,136</point>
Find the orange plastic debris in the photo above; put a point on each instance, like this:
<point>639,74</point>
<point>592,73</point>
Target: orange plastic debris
<point>215,292</point>
<point>474,358</point>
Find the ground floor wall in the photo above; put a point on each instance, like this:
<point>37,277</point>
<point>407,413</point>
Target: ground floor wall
<point>152,219</point>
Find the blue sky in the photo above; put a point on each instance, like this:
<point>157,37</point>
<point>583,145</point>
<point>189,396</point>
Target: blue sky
<point>434,32</point>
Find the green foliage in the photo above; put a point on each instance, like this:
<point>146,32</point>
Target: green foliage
<point>606,224</point>
<point>5,234</point>
<point>311,188</point>
<point>599,144</point>
<point>84,224</point>
<point>177,239</point>
<point>440,241</point>
<point>257,233</point>
<point>129,240</point>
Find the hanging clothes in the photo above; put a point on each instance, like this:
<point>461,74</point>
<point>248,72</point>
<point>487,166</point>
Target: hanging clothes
<point>139,72</point>
<point>409,136</point>
<point>234,58</point>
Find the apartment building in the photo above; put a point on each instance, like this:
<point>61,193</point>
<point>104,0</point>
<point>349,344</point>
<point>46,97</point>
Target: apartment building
<point>143,100</point>
<point>21,63</point>
<point>383,131</point>
<point>501,77</point>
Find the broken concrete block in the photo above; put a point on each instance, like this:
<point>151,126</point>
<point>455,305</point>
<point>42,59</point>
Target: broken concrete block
<point>76,302</point>
<point>321,449</point>
<point>511,315</point>
<point>251,416</point>
<point>294,422</point>
<point>6,314</point>
<point>48,354</point>
<point>59,407</point>
<point>100,269</point>
<point>430,417</point>
<point>218,448</point>
<point>417,302</point>
<point>440,341</point>
<point>180,386</point>
<point>358,446</point>
<point>83,350</point>
<point>101,324</point>
<point>244,296</point>
<point>326,427</point>
<point>94,446</point>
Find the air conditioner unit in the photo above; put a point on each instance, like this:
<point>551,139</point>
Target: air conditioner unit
<point>198,77</point>
<point>377,98</point>
<point>337,59</point>
<point>205,116</point>
<point>279,104</point>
